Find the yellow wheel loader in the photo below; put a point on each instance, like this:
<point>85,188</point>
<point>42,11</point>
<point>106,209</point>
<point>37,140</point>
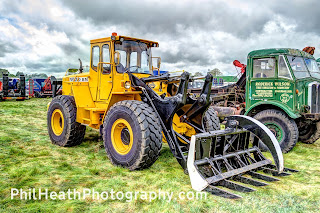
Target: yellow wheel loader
<point>134,110</point>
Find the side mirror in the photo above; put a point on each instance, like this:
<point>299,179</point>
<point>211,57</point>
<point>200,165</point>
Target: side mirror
<point>117,58</point>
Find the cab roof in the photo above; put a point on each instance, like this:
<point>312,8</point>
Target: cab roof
<point>118,37</point>
<point>279,51</point>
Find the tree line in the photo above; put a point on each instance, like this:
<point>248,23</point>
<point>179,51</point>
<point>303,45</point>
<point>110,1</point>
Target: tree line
<point>214,72</point>
<point>17,75</point>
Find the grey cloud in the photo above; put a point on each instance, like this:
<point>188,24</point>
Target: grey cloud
<point>305,13</point>
<point>70,48</point>
<point>164,18</point>
<point>7,48</point>
<point>167,21</point>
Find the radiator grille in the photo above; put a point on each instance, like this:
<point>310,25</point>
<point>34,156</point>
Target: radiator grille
<point>314,97</point>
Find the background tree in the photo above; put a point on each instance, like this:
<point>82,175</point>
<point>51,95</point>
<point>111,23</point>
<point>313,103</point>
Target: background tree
<point>215,72</point>
<point>197,74</point>
<point>6,71</point>
<point>3,71</point>
<point>19,73</point>
<point>38,75</point>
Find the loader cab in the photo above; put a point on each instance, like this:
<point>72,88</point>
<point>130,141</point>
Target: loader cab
<point>111,58</point>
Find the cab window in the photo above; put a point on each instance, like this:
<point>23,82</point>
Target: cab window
<point>106,58</point>
<point>264,68</point>
<point>283,70</point>
<point>133,59</point>
<point>95,57</point>
<point>123,59</point>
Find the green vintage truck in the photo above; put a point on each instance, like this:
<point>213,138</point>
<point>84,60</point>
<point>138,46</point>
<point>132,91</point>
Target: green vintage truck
<point>279,87</point>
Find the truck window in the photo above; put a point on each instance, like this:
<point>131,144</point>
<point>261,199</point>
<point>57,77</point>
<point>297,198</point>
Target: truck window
<point>283,70</point>
<point>298,66</point>
<point>264,68</point>
<point>95,57</point>
<point>312,67</point>
<point>106,58</point>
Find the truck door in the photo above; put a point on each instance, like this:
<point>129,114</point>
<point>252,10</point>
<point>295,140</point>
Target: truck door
<point>284,85</point>
<point>263,78</point>
<point>105,74</point>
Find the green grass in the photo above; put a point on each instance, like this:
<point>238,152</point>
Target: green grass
<point>29,160</point>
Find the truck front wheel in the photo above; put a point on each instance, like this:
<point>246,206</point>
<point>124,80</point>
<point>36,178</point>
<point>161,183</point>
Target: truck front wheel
<point>283,127</point>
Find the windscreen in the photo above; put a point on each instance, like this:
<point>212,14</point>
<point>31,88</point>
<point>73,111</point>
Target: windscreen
<point>135,56</point>
<point>312,67</point>
<point>298,66</point>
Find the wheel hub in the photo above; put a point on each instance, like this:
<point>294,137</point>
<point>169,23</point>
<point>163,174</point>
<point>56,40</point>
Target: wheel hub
<point>276,130</point>
<point>125,136</point>
<point>57,122</point>
<point>121,136</point>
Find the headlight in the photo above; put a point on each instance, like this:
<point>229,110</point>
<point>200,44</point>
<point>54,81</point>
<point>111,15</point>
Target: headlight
<point>127,85</point>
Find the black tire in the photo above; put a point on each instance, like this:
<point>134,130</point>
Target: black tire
<point>147,137</point>
<point>310,133</point>
<point>211,120</point>
<point>286,125</point>
<point>73,132</point>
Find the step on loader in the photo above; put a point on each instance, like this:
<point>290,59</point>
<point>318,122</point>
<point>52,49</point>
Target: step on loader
<point>134,110</point>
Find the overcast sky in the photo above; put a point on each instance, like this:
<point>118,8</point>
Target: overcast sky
<point>48,36</point>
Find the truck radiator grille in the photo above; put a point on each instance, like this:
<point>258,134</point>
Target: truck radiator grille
<point>314,97</point>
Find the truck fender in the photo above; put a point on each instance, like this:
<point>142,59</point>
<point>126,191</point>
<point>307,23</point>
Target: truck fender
<point>270,105</point>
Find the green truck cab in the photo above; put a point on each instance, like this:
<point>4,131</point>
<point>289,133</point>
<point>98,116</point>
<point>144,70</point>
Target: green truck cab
<point>283,92</point>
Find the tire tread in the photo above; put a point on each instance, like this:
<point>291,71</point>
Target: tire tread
<point>291,125</point>
<point>75,131</point>
<point>150,129</point>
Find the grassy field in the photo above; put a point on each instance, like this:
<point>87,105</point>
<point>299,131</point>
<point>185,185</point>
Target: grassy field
<point>29,160</point>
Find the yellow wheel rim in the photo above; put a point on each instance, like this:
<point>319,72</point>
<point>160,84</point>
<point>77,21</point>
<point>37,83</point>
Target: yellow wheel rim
<point>57,122</point>
<point>121,136</point>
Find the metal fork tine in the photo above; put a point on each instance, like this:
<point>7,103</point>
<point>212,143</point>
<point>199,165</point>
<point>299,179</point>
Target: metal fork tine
<point>274,172</point>
<point>250,181</point>
<point>235,186</point>
<point>222,193</point>
<point>271,166</point>
<point>262,177</point>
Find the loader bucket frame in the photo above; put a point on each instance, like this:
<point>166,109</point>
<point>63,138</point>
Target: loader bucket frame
<point>217,157</point>
<point>213,158</point>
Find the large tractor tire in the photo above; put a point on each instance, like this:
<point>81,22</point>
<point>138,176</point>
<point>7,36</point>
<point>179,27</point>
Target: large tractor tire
<point>61,119</point>
<point>132,135</point>
<point>310,133</point>
<point>211,120</point>
<point>284,128</point>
